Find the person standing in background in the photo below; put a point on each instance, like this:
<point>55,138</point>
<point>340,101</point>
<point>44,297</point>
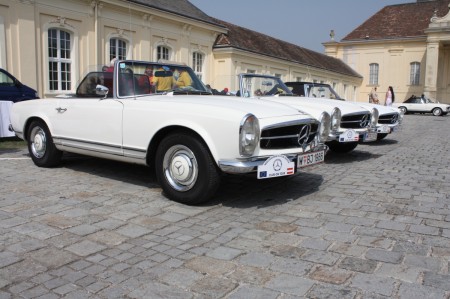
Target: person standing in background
<point>373,96</point>
<point>390,97</point>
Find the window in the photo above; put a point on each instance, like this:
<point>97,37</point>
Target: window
<point>373,74</point>
<point>117,49</point>
<point>59,60</point>
<point>197,64</point>
<point>415,73</point>
<point>162,52</point>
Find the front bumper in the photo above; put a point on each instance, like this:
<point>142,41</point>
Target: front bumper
<point>251,164</point>
<point>387,128</point>
<point>350,135</point>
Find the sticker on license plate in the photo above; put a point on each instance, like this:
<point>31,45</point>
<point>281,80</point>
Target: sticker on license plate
<point>370,136</point>
<point>310,159</point>
<point>349,136</point>
<point>276,166</point>
<point>384,129</point>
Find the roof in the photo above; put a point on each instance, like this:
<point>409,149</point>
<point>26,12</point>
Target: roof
<point>399,21</point>
<point>180,7</point>
<point>255,42</point>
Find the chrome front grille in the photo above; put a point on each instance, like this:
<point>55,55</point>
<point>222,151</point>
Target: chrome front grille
<point>355,121</point>
<point>388,119</point>
<point>288,136</point>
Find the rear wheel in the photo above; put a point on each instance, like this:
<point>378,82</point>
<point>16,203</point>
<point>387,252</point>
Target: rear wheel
<point>185,169</point>
<point>342,147</point>
<point>437,111</point>
<point>41,147</point>
<point>403,109</point>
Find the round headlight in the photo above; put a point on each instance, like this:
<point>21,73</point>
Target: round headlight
<point>248,135</point>
<point>324,126</point>
<point>336,119</point>
<point>374,116</point>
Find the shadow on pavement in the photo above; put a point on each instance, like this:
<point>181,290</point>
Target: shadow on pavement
<point>238,191</point>
<point>352,157</point>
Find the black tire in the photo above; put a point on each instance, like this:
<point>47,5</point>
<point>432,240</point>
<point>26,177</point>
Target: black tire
<point>41,147</point>
<point>342,147</point>
<point>403,109</point>
<point>185,151</point>
<point>437,111</point>
<point>381,136</point>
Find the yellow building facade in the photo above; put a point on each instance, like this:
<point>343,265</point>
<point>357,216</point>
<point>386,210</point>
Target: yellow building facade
<point>413,60</point>
<point>51,44</point>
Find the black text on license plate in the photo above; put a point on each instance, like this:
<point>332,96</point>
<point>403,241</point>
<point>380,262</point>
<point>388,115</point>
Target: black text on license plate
<point>310,159</point>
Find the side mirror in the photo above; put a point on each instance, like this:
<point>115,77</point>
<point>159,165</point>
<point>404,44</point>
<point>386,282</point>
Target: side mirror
<point>101,90</point>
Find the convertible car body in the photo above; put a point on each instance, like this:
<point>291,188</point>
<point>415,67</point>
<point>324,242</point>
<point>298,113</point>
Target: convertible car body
<point>422,104</point>
<point>142,112</point>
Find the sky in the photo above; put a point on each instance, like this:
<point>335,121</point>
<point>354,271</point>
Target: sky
<point>301,22</point>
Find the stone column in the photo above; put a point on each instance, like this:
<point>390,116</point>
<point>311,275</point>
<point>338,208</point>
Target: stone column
<point>431,69</point>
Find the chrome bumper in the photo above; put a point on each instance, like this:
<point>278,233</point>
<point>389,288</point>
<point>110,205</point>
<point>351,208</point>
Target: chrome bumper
<point>251,164</point>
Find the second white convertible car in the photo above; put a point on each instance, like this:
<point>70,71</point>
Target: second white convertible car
<point>389,119</point>
<point>350,123</point>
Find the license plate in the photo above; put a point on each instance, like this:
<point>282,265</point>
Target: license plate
<point>370,136</point>
<point>310,159</point>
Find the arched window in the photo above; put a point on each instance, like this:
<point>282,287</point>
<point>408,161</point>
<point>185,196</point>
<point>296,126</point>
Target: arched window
<point>162,52</point>
<point>414,77</point>
<point>59,60</point>
<point>373,73</point>
<point>197,64</point>
<point>117,49</point>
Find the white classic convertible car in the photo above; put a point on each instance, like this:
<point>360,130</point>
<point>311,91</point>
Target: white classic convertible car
<point>389,119</point>
<point>162,116</point>
<point>422,104</point>
<point>350,124</point>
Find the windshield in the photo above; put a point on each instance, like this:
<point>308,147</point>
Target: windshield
<point>427,100</point>
<point>321,91</point>
<point>136,78</point>
<point>253,85</point>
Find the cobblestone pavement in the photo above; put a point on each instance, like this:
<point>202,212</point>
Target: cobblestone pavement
<point>374,223</point>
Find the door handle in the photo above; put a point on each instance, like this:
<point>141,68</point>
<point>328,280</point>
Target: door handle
<point>59,109</point>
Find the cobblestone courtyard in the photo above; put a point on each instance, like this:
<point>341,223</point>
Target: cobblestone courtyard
<point>374,223</point>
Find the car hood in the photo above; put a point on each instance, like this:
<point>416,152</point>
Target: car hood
<point>261,109</point>
<point>313,105</point>
<point>381,109</point>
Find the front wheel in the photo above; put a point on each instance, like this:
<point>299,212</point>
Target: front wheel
<point>185,169</point>
<point>381,136</point>
<point>342,147</point>
<point>437,111</point>
<point>41,147</point>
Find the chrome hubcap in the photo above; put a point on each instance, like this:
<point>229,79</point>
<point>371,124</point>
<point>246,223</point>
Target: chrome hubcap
<point>38,142</point>
<point>180,167</point>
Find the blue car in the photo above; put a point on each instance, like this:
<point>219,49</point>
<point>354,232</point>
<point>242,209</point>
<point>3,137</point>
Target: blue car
<point>12,90</point>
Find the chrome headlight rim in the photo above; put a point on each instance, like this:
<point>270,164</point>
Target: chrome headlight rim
<point>324,127</point>
<point>336,117</point>
<point>375,114</point>
<point>249,135</point>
